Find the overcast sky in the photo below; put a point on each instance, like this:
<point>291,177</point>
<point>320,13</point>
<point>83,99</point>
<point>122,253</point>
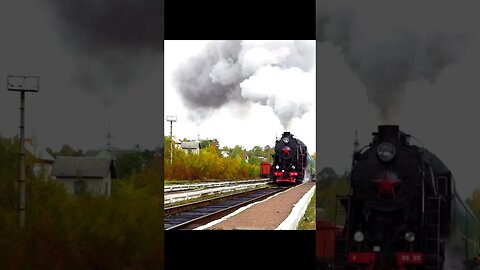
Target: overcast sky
<point>97,62</point>
<point>241,93</point>
<point>429,50</point>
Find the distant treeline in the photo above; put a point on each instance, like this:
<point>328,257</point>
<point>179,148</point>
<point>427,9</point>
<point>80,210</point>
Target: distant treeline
<point>62,231</point>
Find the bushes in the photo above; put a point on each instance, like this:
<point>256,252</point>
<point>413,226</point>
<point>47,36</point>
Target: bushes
<point>63,232</point>
<point>208,164</point>
<point>124,231</point>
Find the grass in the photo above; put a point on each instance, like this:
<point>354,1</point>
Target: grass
<point>206,197</point>
<point>308,220</point>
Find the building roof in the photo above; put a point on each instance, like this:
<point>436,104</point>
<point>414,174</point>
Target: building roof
<point>190,145</point>
<point>40,155</point>
<point>89,167</point>
<point>113,151</point>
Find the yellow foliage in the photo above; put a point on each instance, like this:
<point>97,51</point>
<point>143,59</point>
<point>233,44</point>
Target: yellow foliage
<point>208,164</point>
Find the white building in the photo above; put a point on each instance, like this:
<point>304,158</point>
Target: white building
<point>85,174</point>
<point>225,153</point>
<point>191,147</point>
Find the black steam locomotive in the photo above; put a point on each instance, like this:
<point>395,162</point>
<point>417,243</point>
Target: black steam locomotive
<point>289,161</point>
<point>403,211</point>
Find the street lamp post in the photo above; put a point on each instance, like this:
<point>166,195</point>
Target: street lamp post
<point>22,84</point>
<point>171,119</point>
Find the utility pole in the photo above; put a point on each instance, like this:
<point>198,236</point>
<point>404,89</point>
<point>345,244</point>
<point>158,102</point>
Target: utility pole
<point>22,84</point>
<point>109,138</point>
<point>171,119</point>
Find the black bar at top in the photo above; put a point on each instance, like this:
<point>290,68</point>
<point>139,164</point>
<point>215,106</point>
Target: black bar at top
<point>244,19</point>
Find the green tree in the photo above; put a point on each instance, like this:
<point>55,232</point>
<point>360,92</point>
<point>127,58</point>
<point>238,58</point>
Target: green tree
<point>268,153</point>
<point>326,198</point>
<point>326,174</point>
<point>67,150</point>
<point>205,143</point>
<point>147,155</point>
<point>129,163</point>
<point>237,151</point>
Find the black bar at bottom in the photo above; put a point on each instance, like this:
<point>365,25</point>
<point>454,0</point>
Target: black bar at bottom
<point>241,249</point>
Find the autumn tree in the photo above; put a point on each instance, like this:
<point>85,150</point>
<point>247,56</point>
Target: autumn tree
<point>474,202</point>
<point>208,164</point>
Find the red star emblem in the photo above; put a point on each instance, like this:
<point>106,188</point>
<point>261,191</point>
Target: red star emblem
<point>286,150</point>
<point>387,185</point>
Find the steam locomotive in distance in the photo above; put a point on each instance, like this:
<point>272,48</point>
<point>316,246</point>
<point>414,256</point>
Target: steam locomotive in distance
<point>403,211</point>
<point>290,161</point>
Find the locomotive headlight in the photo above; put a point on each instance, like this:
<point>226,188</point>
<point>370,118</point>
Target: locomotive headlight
<point>358,236</point>
<point>277,167</point>
<point>286,140</point>
<point>409,237</point>
<point>386,151</point>
<point>293,167</point>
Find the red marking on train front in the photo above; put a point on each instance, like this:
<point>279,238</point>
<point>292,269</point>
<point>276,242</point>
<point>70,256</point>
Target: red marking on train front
<point>286,150</point>
<point>386,185</point>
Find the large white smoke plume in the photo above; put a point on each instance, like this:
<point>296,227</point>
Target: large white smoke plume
<point>278,74</point>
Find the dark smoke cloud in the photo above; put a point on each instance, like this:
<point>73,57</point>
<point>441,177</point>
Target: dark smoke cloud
<point>386,58</point>
<point>197,87</point>
<point>115,43</point>
<point>249,72</point>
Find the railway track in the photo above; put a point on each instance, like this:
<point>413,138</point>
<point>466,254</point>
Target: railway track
<point>192,215</point>
<point>186,195</point>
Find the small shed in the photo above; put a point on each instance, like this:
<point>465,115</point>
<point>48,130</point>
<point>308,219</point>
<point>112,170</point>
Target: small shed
<point>85,174</point>
<point>191,147</point>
